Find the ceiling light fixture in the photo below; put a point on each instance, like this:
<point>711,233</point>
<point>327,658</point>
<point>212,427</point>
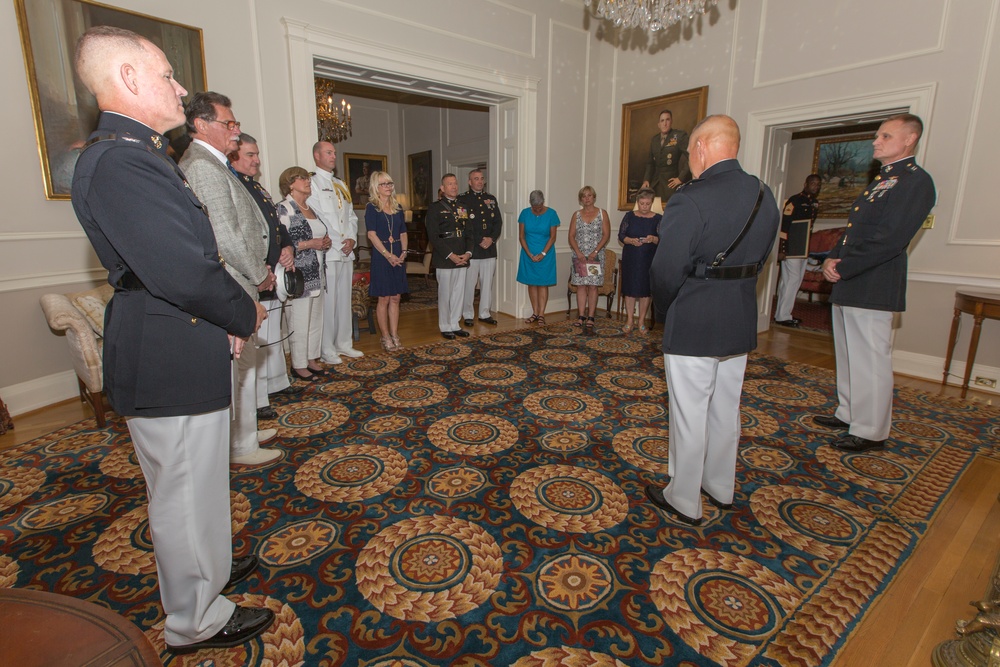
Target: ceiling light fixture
<point>651,15</point>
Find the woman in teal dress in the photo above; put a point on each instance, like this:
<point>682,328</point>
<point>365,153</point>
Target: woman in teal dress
<point>536,231</point>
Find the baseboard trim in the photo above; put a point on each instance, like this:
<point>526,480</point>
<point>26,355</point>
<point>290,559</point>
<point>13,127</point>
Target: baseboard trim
<point>40,392</point>
<point>928,367</point>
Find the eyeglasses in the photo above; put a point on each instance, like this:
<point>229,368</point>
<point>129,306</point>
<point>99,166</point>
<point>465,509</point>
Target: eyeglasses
<point>389,184</point>
<point>230,124</point>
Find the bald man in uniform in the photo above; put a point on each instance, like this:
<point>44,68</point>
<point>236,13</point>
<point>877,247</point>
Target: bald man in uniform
<point>175,315</point>
<point>710,312</point>
<point>867,267</point>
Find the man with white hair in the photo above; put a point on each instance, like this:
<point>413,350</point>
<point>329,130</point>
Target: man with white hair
<point>174,318</point>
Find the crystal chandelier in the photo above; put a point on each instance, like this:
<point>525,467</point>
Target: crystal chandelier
<point>333,123</point>
<point>651,15</point>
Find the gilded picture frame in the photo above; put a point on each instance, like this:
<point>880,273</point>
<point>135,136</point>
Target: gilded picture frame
<point>639,119</point>
<point>357,168</point>
<point>420,180</point>
<point>845,165</point>
<point>64,112</point>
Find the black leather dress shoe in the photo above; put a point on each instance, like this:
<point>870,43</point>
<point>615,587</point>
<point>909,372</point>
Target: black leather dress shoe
<point>793,323</point>
<point>267,412</point>
<point>488,320</point>
<point>450,335</point>
<point>469,322</point>
<point>461,334</point>
<point>854,443</point>
<point>830,421</point>
<point>718,503</point>
<point>245,624</point>
<point>242,568</point>
<point>655,496</point>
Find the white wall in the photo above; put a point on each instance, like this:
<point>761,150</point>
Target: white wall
<point>756,56</point>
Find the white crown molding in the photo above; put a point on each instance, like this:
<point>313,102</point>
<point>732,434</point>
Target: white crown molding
<point>40,392</point>
<point>53,279</point>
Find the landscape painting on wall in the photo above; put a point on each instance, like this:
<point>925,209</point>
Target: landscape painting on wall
<point>846,166</point>
<point>65,113</point>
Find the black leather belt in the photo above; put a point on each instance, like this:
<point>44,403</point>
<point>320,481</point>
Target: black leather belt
<point>130,283</point>
<point>725,272</point>
<point>450,235</point>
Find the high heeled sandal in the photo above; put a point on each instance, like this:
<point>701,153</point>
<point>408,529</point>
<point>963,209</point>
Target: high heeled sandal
<point>305,378</point>
<point>589,324</point>
<point>643,329</point>
<point>387,344</point>
<point>580,321</point>
<point>627,328</point>
<point>541,320</point>
<point>532,319</point>
<point>395,341</point>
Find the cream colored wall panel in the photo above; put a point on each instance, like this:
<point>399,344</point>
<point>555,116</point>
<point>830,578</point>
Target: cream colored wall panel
<point>470,128</point>
<point>799,40</point>
<point>498,25</point>
<point>566,151</point>
<point>975,221</point>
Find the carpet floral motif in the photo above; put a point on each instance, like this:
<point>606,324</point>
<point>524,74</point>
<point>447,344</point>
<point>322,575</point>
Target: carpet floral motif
<point>482,504</point>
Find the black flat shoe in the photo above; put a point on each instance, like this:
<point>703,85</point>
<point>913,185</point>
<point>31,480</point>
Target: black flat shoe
<point>245,624</point>
<point>461,334</point>
<point>793,323</point>
<point>718,503</point>
<point>830,421</point>
<point>242,568</point>
<point>450,335</point>
<point>267,412</point>
<point>488,320</point>
<point>655,496</point>
<point>312,377</point>
<point>854,443</point>
<point>469,322</point>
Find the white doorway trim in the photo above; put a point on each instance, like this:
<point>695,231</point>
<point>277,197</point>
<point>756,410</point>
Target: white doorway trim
<point>762,140</point>
<point>307,42</point>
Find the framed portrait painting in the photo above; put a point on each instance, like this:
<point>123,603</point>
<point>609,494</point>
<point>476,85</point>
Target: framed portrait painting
<point>358,169</point>
<point>420,180</point>
<point>846,166</point>
<point>640,126</point>
<point>65,113</point>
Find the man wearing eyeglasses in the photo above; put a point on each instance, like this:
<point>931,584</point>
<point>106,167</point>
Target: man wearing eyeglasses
<point>241,234</point>
<point>331,199</point>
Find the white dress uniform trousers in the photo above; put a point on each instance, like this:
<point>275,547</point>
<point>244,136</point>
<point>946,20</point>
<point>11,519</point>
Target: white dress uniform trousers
<point>451,290</point>
<point>243,439</point>
<point>704,428</point>
<point>862,340</point>
<point>186,466</point>
<point>481,271</point>
<point>272,374</point>
<point>792,271</point>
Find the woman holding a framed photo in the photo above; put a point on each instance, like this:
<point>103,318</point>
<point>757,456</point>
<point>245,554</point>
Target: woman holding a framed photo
<point>589,233</point>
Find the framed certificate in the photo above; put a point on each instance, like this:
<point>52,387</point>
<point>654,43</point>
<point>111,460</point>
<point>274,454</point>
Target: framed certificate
<point>797,244</point>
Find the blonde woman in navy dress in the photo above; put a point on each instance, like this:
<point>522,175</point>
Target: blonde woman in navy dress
<point>387,236</point>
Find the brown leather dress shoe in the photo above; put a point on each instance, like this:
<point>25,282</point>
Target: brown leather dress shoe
<point>245,624</point>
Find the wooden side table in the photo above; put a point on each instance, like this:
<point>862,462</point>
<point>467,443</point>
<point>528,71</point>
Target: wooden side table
<point>982,306</point>
<point>50,630</point>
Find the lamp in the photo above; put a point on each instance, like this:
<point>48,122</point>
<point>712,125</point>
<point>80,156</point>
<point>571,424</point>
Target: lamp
<point>332,124</point>
<point>651,15</point>
<point>404,201</point>
<point>656,208</point>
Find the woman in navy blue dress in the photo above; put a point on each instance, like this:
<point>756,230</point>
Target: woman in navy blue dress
<point>387,237</point>
<point>639,236</point>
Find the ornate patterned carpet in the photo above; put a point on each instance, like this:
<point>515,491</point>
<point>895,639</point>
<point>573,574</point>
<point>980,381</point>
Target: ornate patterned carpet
<point>480,503</point>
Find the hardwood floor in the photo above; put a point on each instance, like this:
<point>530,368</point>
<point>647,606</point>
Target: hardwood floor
<point>951,566</point>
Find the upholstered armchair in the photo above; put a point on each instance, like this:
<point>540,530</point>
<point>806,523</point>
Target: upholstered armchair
<point>608,290</point>
<point>81,316</point>
<point>423,268</point>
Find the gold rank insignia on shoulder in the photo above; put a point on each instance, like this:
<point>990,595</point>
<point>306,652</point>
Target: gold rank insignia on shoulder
<point>156,141</point>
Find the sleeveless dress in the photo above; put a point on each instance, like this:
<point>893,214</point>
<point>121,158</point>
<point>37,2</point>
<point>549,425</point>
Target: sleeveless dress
<point>588,235</point>
<point>386,280</point>
<point>537,229</point>
<point>636,260</point>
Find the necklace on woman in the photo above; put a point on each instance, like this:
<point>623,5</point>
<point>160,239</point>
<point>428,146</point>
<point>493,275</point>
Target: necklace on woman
<point>383,205</point>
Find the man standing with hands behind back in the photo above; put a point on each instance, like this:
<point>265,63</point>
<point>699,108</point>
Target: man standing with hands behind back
<point>166,348</point>
<point>447,232</point>
<point>711,314</point>
<point>867,267</point>
<point>332,201</point>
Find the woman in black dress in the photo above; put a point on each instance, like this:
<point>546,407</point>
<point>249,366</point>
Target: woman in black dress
<point>387,237</point>
<point>639,236</point>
